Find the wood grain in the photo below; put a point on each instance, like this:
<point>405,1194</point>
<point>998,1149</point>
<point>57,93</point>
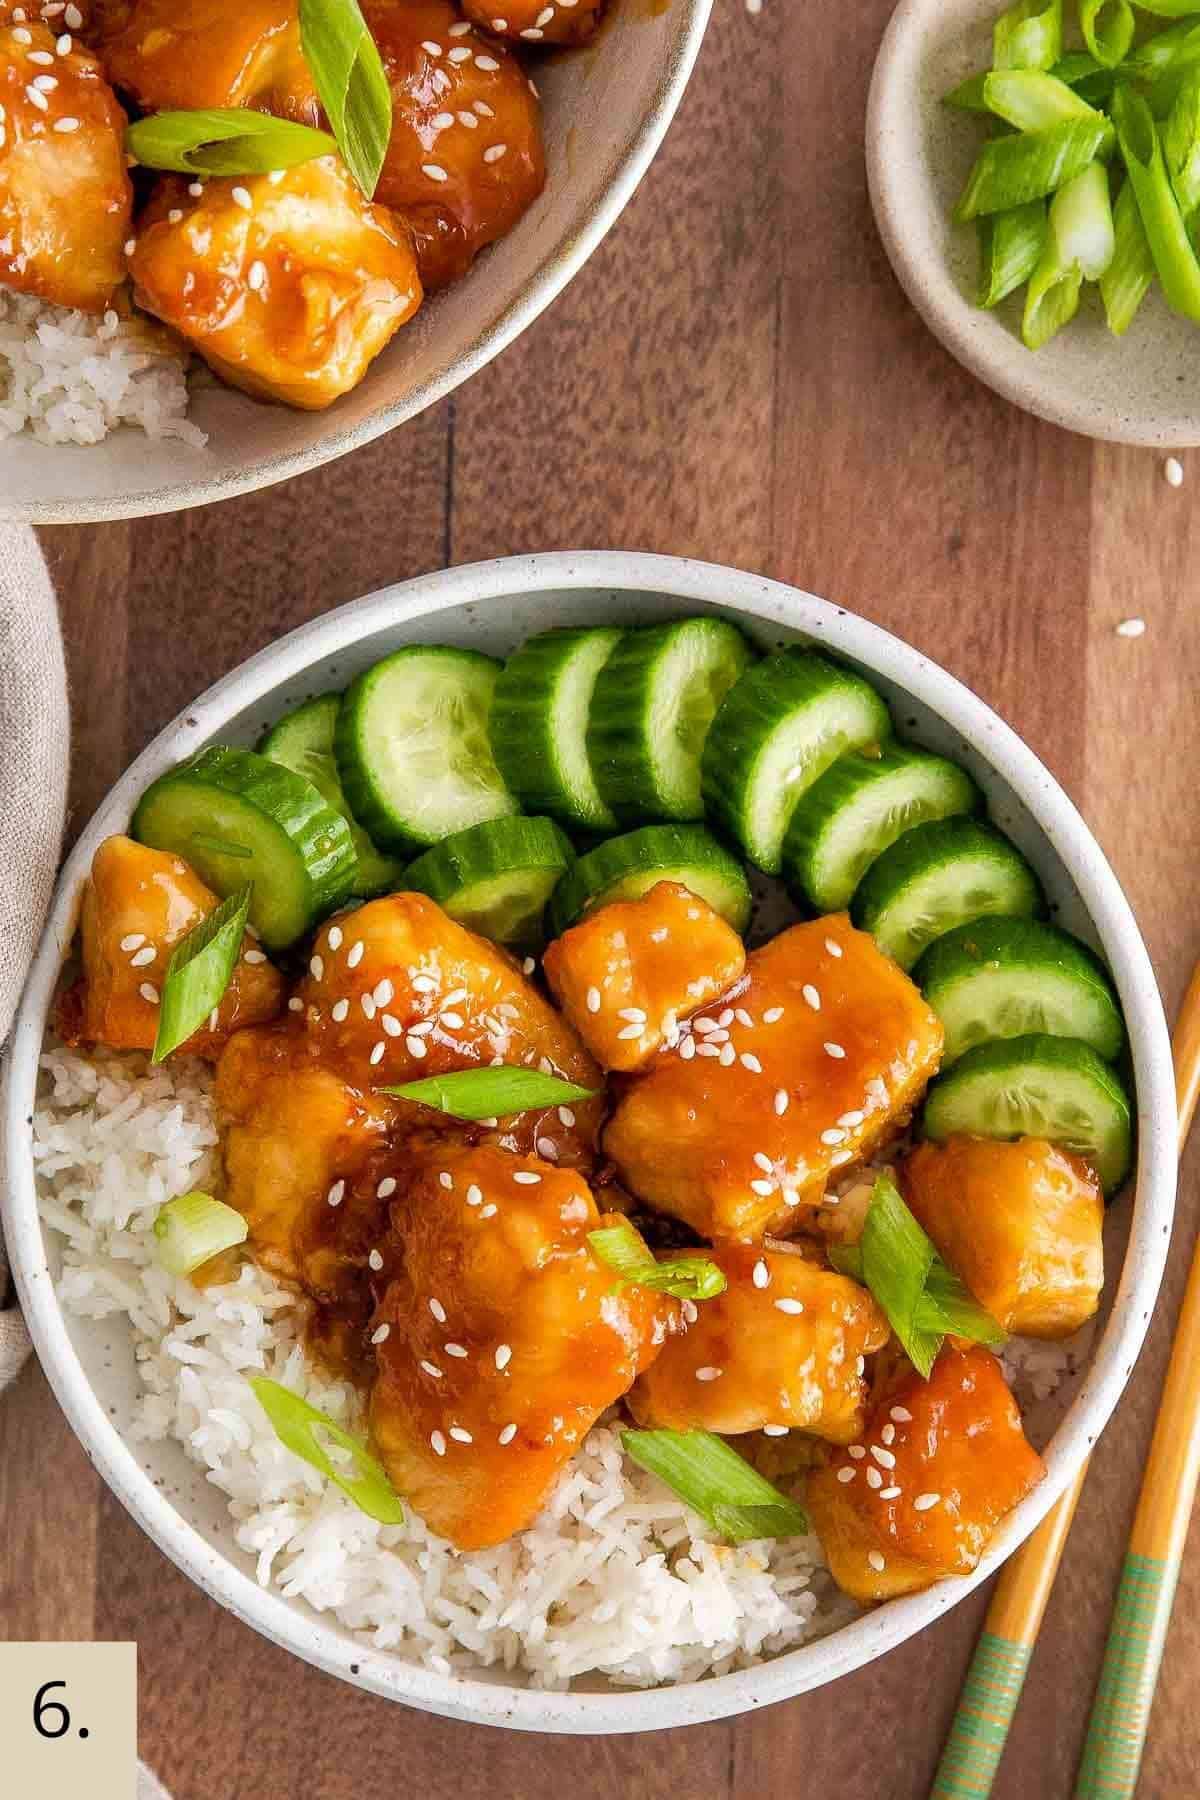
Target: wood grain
<point>736,376</point>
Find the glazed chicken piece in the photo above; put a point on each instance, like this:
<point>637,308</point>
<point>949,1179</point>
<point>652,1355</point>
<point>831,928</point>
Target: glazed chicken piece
<point>1021,1223</point>
<point>465,158</point>
<point>736,1134</point>
<point>180,54</point>
<point>65,195</point>
<point>136,907</point>
<point>629,972</point>
<point>288,284</point>
<point>531,22</point>
<point>500,1341</point>
<point>782,1348</point>
<point>397,990</point>
<point>940,1464</point>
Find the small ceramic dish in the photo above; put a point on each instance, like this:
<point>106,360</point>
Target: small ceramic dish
<point>1139,389</point>
<point>493,607</point>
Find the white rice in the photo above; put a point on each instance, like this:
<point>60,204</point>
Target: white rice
<point>70,377</point>
<point>615,1577</point>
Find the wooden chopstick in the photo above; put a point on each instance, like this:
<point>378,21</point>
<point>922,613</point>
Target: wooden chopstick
<point>997,1670</point>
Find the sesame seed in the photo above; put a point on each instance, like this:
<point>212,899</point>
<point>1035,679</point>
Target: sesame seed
<point>728,1055</point>
<point>857,1451</point>
<point>73,17</point>
<point>487,63</point>
<point>355,955</point>
<point>459,30</point>
<point>432,1369</point>
<point>386,1188</point>
<point>442,121</point>
<point>547,1149</point>
<point>901,1415</point>
<point>438,1311</point>
<point>460,54</point>
<point>851,1119</point>
<point>499,24</point>
<point>888,1434</point>
<point>772,1015</point>
<point>725,1018</point>
<point>923,1502</point>
<point>134,941</point>
<point>130,246</point>
<point>37,99</point>
<point>21,36</point>
<point>67,123</point>
<point>775,1430</point>
<point>507,1435</point>
<point>533,34</point>
<point>838,1161</point>
<point>488,1211</point>
<point>474,1195</point>
<point>241,197</point>
<point>889,1493</point>
<point>526,1177</point>
<point>884,1458</point>
<point>481,106</point>
<point>339,1010</point>
<point>377,1052</point>
<point>836,1051</point>
<point>415,1046</point>
<point>834,1135</point>
<point>255,956</point>
<point>833,947</point>
<point>1131,628</point>
<point>687,1049</point>
<point>195,189</point>
<point>876,1561</point>
<point>749,1061</point>
<point>460,1435</point>
<point>762,1188</point>
<point>848,1473</point>
<point>708,1373</point>
<point>174,216</point>
<point>860,1364</point>
<point>430,48</point>
<point>545,16</point>
<point>422,984</point>
<point>316,967</point>
<point>380,1334</point>
<point>874,1478</point>
<point>422,1028</point>
<point>142,957</point>
<point>781,1101</point>
<point>43,58</point>
<point>391,1025</point>
<point>633,1013</point>
<point>337,1193</point>
<point>761,1275</point>
<point>690,1311</point>
<point>706,1049</point>
<point>438,1442</point>
<point>629,1031</point>
<point>375,1261</point>
<point>441,81</point>
<point>503,1355</point>
<point>566,1117</point>
<point>445,1179</point>
<point>335,931</point>
<point>593,999</point>
<point>1173,470</point>
<point>295,1005</point>
<point>811,996</point>
<point>458,1350</point>
<point>149,992</point>
<point>763,1161</point>
<point>367,1003</point>
<point>791,1307</point>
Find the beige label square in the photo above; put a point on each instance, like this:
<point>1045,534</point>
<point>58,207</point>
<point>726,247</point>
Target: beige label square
<point>85,1698</point>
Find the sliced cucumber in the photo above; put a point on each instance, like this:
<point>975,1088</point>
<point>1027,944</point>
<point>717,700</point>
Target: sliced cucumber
<point>539,722</point>
<point>1037,1086</point>
<point>652,707</point>
<point>623,868</point>
<point>235,817</point>
<point>412,746</point>
<point>857,809</point>
<point>939,876</point>
<point>776,732</point>
<point>303,741</point>
<point>1004,978</point>
<point>496,878</point>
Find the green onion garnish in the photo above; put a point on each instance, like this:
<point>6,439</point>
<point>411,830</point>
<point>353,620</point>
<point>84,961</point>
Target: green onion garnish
<point>1010,248</point>
<point>1128,278</point>
<point>351,82</point>
<point>1011,171</point>
<point>686,1277</point>
<point>1181,146</point>
<point>296,1424</point>
<point>1032,100</point>
<point>731,1497</point>
<point>922,1298</point>
<point>194,1227</point>
<point>490,1093</point>
<point>1166,233</point>
<point>1167,53</point>
<point>1028,35</point>
<point>1079,244</point>
<point>200,969</point>
<point>223,140</point>
<point>1107,27</point>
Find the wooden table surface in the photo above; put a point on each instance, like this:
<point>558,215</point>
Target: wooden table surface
<point>735,376</point>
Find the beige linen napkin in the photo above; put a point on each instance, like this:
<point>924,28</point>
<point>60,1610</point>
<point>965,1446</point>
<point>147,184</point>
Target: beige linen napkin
<point>34,736</point>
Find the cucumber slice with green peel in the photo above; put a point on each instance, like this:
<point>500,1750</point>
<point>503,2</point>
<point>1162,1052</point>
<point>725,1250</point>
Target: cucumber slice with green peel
<point>539,721</point>
<point>412,746</point>
<point>653,705</point>
<point>235,817</point>
<point>776,732</point>
<point>303,741</point>
<point>625,868</point>
<point>858,809</point>
<point>496,878</point>
<point>939,876</point>
<point>1005,978</point>
<point>1037,1086</point>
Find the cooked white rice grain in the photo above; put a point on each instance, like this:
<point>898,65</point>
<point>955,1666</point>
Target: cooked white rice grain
<point>615,1576</point>
<point>69,377</point>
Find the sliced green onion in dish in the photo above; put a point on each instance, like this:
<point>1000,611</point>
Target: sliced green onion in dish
<point>1028,36</point>
<point>352,84</point>
<point>1181,147</point>
<point>224,140</point>
<point>1174,258</point>
<point>1079,246</point>
<point>1011,171</point>
<point>296,1425</point>
<point>200,969</point>
<point>1010,248</point>
<point>1107,27</point>
<point>686,1277</point>
<point>1170,9</point>
<point>1130,274</point>
<point>1168,53</point>
<point>922,1298</point>
<point>194,1227</point>
<point>732,1498</point>
<point>490,1093</point>
<point>1032,100</point>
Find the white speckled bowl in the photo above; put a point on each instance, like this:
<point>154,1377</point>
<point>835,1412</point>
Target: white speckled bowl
<point>493,606</point>
<point>605,110</point>
<point>1139,389</point>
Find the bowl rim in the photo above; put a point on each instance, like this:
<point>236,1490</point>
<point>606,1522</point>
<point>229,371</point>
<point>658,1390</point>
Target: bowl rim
<point>678,580</point>
<point>502,325</point>
<point>957,327</point>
